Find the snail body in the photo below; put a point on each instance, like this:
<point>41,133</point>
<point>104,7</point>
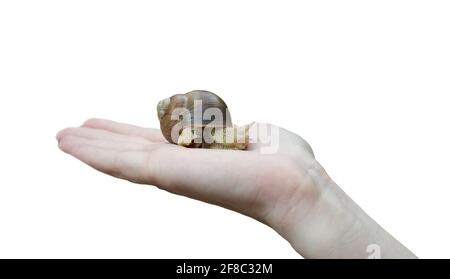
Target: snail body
<point>200,119</point>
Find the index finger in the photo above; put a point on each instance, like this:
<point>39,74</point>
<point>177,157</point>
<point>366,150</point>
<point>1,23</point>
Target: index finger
<point>154,135</point>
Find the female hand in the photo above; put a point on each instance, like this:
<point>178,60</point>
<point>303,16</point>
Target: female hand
<point>288,189</point>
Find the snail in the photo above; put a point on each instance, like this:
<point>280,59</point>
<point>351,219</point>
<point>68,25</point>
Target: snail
<point>200,119</point>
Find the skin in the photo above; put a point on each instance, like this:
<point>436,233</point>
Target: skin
<point>289,190</point>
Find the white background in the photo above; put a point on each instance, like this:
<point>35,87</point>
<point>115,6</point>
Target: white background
<point>366,83</point>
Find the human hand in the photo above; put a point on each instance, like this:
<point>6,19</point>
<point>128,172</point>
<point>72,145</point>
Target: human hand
<point>288,189</point>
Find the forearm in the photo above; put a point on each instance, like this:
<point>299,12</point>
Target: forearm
<point>336,227</point>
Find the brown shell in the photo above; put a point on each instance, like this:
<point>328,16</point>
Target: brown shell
<point>209,100</point>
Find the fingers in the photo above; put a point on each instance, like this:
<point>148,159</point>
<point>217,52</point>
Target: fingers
<point>91,133</point>
<point>119,159</point>
<point>154,135</point>
<point>113,145</point>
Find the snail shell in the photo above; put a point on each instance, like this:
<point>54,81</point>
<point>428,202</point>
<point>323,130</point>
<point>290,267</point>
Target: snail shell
<point>184,117</point>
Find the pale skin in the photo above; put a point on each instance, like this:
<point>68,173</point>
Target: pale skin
<point>289,190</point>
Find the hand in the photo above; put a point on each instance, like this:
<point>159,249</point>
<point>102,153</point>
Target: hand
<point>287,190</point>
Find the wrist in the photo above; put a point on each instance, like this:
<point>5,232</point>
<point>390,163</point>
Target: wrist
<point>329,224</point>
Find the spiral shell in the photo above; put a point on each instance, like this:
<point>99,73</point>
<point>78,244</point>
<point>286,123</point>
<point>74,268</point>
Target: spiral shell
<point>185,119</point>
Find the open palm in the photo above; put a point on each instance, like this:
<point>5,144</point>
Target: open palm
<point>267,187</point>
